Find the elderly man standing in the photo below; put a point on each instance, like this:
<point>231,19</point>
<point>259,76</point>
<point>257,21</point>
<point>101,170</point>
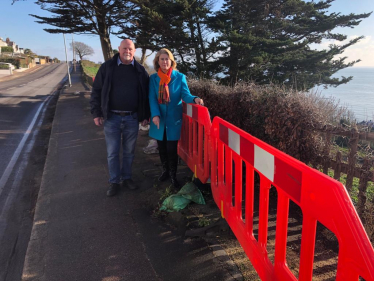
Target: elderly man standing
<point>119,100</point>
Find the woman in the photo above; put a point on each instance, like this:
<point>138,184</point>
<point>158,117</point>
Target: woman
<point>167,89</point>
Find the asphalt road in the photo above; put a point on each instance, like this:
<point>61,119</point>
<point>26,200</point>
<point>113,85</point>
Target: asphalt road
<point>26,112</point>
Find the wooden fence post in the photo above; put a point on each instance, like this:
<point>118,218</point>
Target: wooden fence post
<point>364,178</point>
<point>326,152</point>
<point>353,142</point>
<point>338,167</point>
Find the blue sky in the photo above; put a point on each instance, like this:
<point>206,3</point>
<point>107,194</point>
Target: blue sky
<point>22,29</point>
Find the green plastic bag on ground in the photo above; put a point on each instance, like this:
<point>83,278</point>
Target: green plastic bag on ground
<point>188,193</point>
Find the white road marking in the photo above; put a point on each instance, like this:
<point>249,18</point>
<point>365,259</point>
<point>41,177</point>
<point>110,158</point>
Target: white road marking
<point>19,173</point>
<point>16,154</point>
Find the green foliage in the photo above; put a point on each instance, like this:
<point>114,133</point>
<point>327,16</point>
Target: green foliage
<point>97,17</point>
<point>14,61</point>
<point>24,62</point>
<point>166,193</point>
<point>203,221</point>
<point>158,24</point>
<point>30,53</point>
<point>6,49</point>
<point>355,185</point>
<point>270,42</point>
<point>180,26</point>
<point>90,68</point>
<point>4,66</point>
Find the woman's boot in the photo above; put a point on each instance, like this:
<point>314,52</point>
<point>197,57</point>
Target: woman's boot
<point>164,163</point>
<point>173,165</point>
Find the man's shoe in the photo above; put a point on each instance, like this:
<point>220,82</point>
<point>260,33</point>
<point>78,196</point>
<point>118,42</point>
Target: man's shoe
<point>130,184</point>
<point>113,188</point>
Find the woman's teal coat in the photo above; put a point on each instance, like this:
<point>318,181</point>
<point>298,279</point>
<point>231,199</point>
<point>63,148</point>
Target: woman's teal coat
<point>171,114</point>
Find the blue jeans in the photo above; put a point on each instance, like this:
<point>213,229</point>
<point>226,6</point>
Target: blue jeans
<point>117,128</point>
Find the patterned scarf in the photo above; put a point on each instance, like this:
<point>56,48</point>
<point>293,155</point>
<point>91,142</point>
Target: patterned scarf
<point>163,89</point>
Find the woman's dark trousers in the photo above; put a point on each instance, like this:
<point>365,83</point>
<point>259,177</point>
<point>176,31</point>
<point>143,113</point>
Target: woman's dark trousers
<point>168,151</point>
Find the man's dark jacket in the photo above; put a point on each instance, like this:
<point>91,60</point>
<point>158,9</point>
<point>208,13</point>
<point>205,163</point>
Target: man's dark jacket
<point>101,88</point>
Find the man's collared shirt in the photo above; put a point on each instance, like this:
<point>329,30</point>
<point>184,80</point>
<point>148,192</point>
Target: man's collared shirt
<point>120,62</point>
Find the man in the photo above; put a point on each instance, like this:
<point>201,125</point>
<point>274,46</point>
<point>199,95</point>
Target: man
<point>119,100</point>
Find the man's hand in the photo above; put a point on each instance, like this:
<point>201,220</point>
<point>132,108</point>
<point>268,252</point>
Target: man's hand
<point>156,121</point>
<point>144,122</point>
<point>99,121</point>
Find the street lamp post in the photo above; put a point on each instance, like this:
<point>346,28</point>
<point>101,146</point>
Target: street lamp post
<point>74,60</point>
<point>67,63</point>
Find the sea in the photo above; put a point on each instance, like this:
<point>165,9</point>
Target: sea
<point>357,95</point>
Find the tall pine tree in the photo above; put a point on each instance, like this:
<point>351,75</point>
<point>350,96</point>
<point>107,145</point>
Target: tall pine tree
<point>271,42</point>
<point>97,17</point>
<point>200,47</point>
<point>155,24</point>
<point>179,25</point>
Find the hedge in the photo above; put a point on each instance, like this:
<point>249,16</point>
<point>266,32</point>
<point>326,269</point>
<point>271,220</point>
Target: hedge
<point>6,49</point>
<point>4,66</point>
<point>17,62</point>
<point>14,61</point>
<point>282,118</point>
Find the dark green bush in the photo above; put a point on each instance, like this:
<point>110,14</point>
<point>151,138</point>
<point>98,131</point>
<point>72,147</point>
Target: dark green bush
<point>6,49</point>
<point>16,62</point>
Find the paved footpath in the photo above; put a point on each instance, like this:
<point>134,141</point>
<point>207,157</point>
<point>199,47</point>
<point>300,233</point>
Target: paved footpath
<point>80,234</point>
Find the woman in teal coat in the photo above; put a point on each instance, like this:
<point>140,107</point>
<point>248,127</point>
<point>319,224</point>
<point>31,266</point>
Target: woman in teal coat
<point>167,89</point>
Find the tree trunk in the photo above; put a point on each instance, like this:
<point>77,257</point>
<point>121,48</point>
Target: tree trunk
<point>143,57</point>
<point>182,58</point>
<point>195,47</point>
<point>203,51</point>
<point>233,67</point>
<point>103,31</point>
<point>106,46</point>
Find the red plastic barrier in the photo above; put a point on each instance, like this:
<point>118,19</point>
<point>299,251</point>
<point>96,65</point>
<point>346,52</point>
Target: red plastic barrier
<point>193,146</point>
<point>320,198</point>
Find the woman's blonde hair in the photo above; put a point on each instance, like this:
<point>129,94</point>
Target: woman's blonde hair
<point>164,51</point>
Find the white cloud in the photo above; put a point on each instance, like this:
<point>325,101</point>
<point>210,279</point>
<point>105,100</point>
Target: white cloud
<point>363,50</point>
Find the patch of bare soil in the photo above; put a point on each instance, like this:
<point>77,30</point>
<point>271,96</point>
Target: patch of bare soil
<point>204,221</point>
<point>208,218</point>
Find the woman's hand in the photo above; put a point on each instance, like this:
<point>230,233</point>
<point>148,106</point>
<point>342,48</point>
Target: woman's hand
<point>156,121</point>
<point>199,101</point>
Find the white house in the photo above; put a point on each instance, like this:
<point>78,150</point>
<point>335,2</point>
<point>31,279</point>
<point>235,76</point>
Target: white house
<point>12,44</point>
<point>2,42</point>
